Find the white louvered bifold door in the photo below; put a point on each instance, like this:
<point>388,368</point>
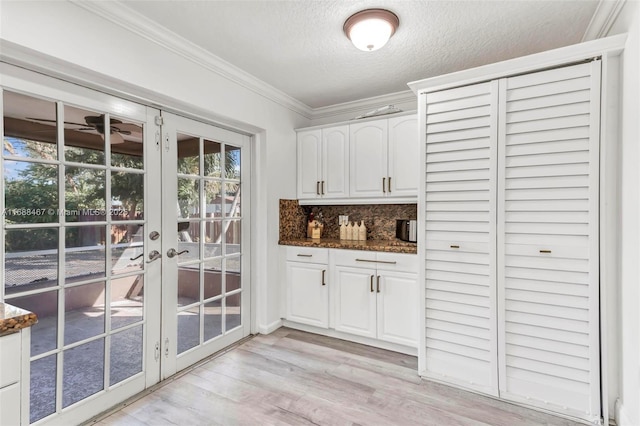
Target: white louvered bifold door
<point>460,224</point>
<point>548,239</point>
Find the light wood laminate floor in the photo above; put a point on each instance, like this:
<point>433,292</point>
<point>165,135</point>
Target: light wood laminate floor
<point>295,378</point>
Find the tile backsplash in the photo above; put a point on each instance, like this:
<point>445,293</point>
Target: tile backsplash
<point>380,219</point>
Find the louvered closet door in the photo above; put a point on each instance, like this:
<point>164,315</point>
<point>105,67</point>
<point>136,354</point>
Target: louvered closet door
<point>461,236</point>
<point>548,239</point>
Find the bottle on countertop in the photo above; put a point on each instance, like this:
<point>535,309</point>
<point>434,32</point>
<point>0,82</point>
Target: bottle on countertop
<point>362,231</point>
<point>343,231</point>
<point>349,233</point>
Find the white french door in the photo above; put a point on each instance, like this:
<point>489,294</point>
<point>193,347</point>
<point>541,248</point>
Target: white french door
<point>91,222</point>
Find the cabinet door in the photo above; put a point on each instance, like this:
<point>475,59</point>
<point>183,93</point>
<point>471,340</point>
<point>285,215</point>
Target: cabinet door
<point>10,404</point>
<point>404,154</point>
<point>309,159</point>
<point>355,301</point>
<point>368,159</point>
<point>335,162</point>
<point>460,221</point>
<point>398,308</point>
<point>308,294</point>
<point>548,285</point>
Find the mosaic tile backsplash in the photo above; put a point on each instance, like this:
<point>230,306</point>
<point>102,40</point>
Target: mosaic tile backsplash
<point>380,219</point>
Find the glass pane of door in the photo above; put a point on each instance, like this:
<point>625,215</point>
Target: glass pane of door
<point>74,186</point>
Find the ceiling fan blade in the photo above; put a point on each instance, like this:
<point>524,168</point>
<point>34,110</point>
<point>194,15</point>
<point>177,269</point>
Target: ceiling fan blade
<point>45,120</point>
<point>116,138</point>
<point>126,127</point>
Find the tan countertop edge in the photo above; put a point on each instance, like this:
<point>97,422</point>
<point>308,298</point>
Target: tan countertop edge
<point>390,246</point>
<point>13,319</point>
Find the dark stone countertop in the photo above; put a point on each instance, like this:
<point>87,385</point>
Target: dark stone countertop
<point>12,319</point>
<point>389,246</point>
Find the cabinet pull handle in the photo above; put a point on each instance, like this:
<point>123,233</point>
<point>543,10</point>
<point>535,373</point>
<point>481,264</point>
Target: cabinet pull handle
<point>323,272</point>
<point>304,255</point>
<point>389,184</point>
<point>371,285</point>
<point>454,246</point>
<point>377,261</point>
<point>322,190</point>
<point>317,187</point>
<point>545,251</point>
<point>378,285</point>
<point>384,189</point>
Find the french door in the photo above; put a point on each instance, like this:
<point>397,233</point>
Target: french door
<point>124,231</point>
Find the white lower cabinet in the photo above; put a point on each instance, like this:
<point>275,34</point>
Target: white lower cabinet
<point>360,293</point>
<point>13,408</point>
<point>307,289</point>
<point>376,295</point>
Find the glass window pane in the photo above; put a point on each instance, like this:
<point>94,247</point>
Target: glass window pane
<point>188,329</point>
<point>84,312</point>
<point>31,192</point>
<point>232,236</point>
<point>212,278</point>
<point>212,240</point>
<point>29,126</point>
<point>127,248</point>
<point>212,319</point>
<point>232,276</point>
<point>232,162</point>
<point>126,143</point>
<point>232,199</point>
<point>212,159</point>
<point>232,311</point>
<point>188,237</point>
<point>85,254</point>
<point>188,198</point>
<point>188,284</point>
<point>83,135</point>
<point>84,194</point>
<point>213,198</point>
<point>126,354</point>
<point>127,300</point>
<point>127,194</point>
<point>83,372</point>
<point>43,387</point>
<point>44,333</point>
<point>31,259</point>
<point>188,155</point>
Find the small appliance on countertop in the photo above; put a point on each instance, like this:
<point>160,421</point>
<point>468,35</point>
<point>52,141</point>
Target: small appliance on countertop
<point>407,230</point>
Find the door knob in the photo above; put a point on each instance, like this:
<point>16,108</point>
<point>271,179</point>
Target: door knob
<point>173,253</point>
<point>153,256</point>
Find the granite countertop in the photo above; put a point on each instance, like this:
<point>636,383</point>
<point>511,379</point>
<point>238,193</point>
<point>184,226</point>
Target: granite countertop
<point>13,319</point>
<point>390,246</point>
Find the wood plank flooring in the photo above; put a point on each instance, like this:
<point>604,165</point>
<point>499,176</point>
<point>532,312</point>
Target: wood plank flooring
<point>295,378</point>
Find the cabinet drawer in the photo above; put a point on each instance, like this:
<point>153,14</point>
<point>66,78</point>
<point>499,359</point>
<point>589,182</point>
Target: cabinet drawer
<point>398,262</point>
<point>9,359</point>
<point>10,405</point>
<point>354,258</point>
<point>307,254</point>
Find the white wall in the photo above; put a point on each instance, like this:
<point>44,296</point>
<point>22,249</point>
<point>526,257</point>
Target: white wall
<point>70,33</point>
<point>628,406</point>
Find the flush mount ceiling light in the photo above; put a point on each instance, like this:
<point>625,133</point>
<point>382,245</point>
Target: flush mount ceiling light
<point>370,29</point>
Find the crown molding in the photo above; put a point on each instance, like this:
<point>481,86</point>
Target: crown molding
<point>125,17</point>
<point>603,18</point>
<point>363,105</point>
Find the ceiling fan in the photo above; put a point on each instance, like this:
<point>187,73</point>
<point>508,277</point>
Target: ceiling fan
<point>96,122</point>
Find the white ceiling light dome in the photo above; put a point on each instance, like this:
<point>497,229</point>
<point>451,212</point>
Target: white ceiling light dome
<point>370,29</point>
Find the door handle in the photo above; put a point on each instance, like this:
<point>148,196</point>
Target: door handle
<point>173,253</point>
<point>322,188</point>
<point>153,256</point>
<point>371,285</point>
<point>137,257</point>
<point>384,181</point>
<point>378,285</point>
<point>318,187</point>
<point>324,271</point>
<point>389,184</point>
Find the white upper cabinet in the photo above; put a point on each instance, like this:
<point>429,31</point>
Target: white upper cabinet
<point>384,158</point>
<point>373,160</point>
<point>403,153</point>
<point>323,163</point>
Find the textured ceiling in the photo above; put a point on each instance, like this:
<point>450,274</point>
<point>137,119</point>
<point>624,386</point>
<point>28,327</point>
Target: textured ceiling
<point>299,48</point>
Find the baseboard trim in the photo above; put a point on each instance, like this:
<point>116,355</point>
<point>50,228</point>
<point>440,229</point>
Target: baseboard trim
<point>270,328</point>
